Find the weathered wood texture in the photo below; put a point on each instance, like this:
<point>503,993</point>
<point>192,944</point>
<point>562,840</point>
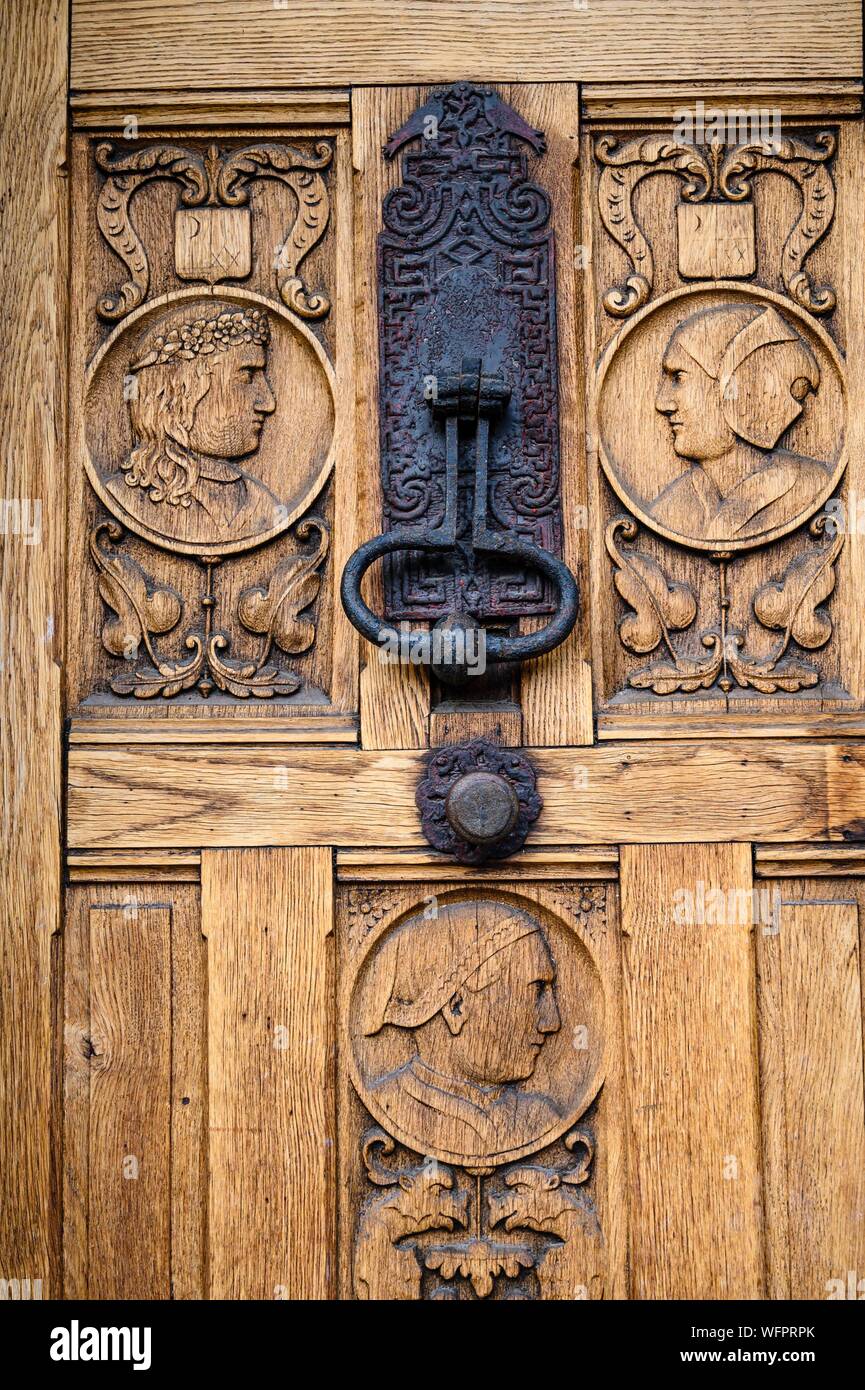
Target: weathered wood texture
<point>692,1082</point>
<point>262,43</point>
<point>33,226</point>
<point>266,914</point>
<point>134,999</point>
<point>608,794</point>
<point>394,699</point>
<point>809,987</point>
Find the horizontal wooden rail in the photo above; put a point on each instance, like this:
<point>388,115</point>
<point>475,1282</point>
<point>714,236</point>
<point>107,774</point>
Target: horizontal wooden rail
<point>639,793</point>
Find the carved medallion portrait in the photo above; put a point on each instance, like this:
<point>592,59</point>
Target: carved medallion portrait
<point>476,1033</point>
<point>192,442</point>
<point>733,434</point>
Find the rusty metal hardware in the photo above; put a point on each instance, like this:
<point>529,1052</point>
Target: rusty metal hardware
<point>477,801</point>
<point>466,267</point>
<point>468,397</point>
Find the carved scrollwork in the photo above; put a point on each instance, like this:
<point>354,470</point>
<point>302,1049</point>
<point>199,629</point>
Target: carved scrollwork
<point>218,181</point>
<point>125,175</point>
<point>790,606</point>
<point>723,178</point>
<point>807,168</point>
<point>143,610</point>
<point>274,612</point>
<point>459,1226</point>
<point>624,167</point>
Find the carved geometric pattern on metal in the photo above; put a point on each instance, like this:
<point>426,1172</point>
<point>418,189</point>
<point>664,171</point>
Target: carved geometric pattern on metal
<point>465,267</point>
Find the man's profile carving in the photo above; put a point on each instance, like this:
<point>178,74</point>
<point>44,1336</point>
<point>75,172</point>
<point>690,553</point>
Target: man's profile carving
<point>460,1010</point>
<point>198,398</point>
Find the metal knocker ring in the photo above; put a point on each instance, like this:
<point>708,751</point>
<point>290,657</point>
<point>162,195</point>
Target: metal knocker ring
<point>470,397</point>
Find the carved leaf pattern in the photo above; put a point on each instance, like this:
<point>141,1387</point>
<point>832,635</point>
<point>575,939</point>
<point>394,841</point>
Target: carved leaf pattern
<point>792,604</point>
<point>660,605</point>
<point>480,1262</point>
<point>139,606</point>
<point>275,609</point>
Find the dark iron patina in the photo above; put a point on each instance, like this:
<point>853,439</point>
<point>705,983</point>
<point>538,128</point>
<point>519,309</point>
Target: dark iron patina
<point>477,801</point>
<point>468,347</point>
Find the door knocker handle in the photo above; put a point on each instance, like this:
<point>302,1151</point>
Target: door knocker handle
<point>471,398</point>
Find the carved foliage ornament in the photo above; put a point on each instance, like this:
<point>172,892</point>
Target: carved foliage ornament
<point>195,438</point>
<point>142,611</point>
<point>465,270</point>
<point>741,402</point>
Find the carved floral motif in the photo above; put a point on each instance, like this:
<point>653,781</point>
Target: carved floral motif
<point>142,610</point>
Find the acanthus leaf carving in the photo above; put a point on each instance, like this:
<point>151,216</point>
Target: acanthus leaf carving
<point>792,604</point>
<point>142,610</point>
<point>660,605</point>
<point>274,611</point>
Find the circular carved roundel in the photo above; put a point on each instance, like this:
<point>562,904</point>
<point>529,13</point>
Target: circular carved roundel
<point>209,421</point>
<point>721,414</point>
<point>476,1034</point>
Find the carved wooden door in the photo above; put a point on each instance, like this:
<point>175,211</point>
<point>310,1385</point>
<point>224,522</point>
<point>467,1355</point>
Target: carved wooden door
<point>305,1026</point>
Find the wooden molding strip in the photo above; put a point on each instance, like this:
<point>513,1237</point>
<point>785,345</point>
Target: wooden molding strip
<point>155,110</point>
<point>829,724</point>
<point>809,861</point>
<point>715,790</point>
<point>425,865</point>
<point>633,101</point>
<point>339,728</point>
<point>134,866</point>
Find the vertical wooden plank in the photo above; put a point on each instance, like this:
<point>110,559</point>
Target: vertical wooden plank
<point>33,230</point>
<point>267,914</point>
<point>690,1042</point>
<point>188,1096</point>
<point>556,690</point>
<point>76,1090</point>
<point>394,699</point>
<point>129,1183</point>
<point>812,1074</point>
<point>344,682</point>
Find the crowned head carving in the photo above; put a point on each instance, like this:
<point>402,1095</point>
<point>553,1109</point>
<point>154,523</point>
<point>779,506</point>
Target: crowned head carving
<point>198,400</point>
<point>460,1011</point>
<point>209,421</point>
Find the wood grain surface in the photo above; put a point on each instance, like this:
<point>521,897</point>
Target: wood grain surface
<point>33,230</point>
<point>812,1096</point>
<point>267,915</point>
<point>218,43</point>
<point>608,794</point>
<point>696,1222</point>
